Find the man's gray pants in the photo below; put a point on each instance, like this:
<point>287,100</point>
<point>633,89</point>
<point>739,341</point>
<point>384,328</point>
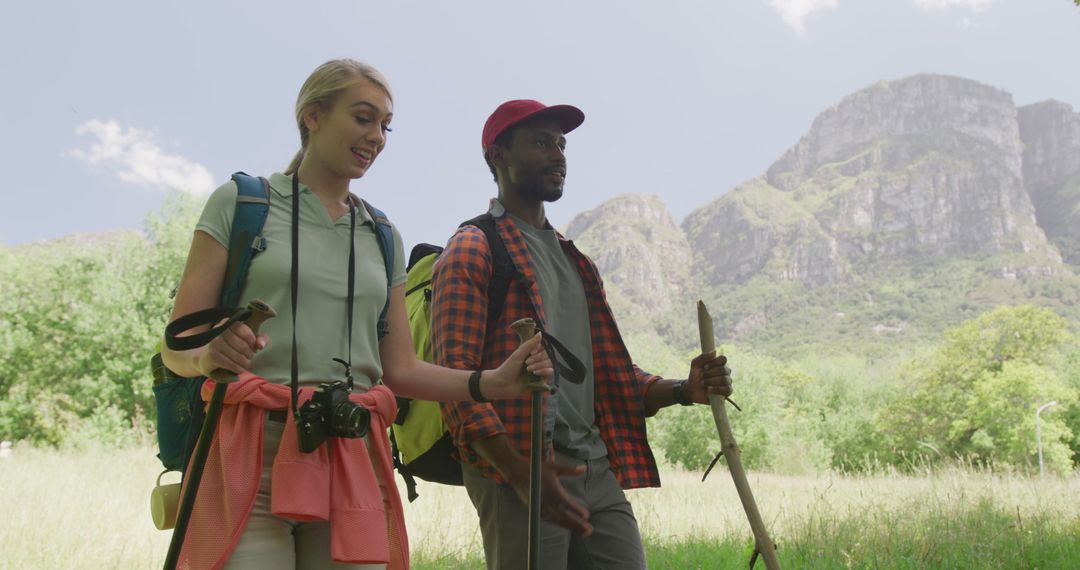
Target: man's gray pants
<point>504,523</point>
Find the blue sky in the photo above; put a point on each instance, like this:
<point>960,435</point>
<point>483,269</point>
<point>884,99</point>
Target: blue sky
<point>110,105</point>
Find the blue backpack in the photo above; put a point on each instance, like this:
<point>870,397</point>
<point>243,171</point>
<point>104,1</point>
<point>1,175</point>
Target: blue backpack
<point>180,408</point>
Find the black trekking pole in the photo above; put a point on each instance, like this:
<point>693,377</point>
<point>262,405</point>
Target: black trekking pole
<point>260,311</point>
<point>526,329</point>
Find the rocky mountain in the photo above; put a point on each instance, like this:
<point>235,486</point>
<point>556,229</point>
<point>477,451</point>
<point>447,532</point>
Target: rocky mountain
<point>928,184</point>
<point>642,254</point>
<point>1050,132</point>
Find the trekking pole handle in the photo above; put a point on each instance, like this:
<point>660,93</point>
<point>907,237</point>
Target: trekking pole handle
<point>526,329</point>
<point>260,311</point>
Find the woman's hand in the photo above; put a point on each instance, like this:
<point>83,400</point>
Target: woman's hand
<point>231,350</point>
<point>509,379</point>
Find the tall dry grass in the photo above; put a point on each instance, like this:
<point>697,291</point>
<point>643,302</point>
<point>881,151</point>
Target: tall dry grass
<point>89,509</point>
<point>79,509</point>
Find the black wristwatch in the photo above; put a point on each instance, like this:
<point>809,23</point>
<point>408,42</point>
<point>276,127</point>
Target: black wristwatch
<point>474,388</point>
<point>678,392</point>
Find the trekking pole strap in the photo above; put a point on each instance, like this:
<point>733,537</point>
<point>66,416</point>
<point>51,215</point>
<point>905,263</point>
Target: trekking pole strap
<point>573,370</point>
<point>202,318</point>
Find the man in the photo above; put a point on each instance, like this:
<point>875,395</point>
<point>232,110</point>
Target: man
<point>595,430</point>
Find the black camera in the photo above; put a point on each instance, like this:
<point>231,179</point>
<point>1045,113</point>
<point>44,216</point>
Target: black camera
<point>329,413</point>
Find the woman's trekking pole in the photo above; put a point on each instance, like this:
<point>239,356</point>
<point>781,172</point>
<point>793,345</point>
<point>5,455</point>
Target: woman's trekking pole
<point>260,311</point>
<point>526,329</point>
<point>763,545</point>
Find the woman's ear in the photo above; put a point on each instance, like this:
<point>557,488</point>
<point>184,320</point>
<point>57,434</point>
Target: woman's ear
<point>312,116</point>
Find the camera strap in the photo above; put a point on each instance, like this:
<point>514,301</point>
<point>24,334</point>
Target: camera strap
<point>352,286</point>
<point>294,384</point>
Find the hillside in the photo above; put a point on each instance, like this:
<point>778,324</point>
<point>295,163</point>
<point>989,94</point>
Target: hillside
<point>909,206</point>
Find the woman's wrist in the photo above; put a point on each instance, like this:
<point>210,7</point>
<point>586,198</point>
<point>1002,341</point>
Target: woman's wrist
<point>474,387</point>
<point>185,364</point>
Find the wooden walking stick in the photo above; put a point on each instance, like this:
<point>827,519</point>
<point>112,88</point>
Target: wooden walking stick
<point>526,329</point>
<point>260,311</point>
<point>763,545</point>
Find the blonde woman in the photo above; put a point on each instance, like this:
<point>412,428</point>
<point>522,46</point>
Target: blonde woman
<point>264,503</point>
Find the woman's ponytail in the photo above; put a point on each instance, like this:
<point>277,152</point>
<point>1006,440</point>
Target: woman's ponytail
<point>295,164</point>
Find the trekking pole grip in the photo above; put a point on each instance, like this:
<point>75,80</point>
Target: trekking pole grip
<point>260,311</point>
<point>526,329</point>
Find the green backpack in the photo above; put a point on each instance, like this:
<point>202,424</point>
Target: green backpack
<point>420,443</point>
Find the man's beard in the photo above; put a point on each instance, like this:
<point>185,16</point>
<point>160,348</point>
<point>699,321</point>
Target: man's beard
<point>542,192</point>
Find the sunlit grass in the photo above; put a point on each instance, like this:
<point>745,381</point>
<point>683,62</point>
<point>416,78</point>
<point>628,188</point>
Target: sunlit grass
<point>79,509</point>
<point>89,509</point>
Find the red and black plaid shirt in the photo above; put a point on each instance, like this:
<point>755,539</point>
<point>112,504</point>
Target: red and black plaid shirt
<point>461,340</point>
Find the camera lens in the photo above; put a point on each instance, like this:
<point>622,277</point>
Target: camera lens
<point>351,420</point>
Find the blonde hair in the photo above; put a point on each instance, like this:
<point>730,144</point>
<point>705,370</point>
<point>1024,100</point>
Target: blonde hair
<point>323,85</point>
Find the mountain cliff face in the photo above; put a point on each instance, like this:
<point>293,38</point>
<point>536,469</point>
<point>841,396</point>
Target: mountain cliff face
<point>758,229</point>
<point>903,187</point>
<point>640,251</point>
<point>925,166</point>
<point>1050,132</point>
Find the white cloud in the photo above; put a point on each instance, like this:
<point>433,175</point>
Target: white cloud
<point>794,12</point>
<point>136,158</point>
<point>976,5</point>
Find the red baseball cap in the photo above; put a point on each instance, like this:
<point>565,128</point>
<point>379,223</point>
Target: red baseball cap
<point>513,112</point>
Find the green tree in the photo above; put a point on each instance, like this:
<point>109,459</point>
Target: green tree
<point>782,426</point>
<point>687,436</point>
<point>975,396</point>
<point>79,317</point>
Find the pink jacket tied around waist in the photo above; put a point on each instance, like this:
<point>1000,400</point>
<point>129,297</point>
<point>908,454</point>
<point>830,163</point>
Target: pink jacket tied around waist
<point>336,482</point>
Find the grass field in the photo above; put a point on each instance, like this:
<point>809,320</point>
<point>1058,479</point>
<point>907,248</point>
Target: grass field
<point>89,509</point>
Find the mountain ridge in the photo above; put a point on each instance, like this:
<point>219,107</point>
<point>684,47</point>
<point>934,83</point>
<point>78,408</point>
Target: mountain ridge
<point>927,181</point>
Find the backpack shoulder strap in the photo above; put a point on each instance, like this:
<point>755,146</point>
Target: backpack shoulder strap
<point>245,238</point>
<point>384,234</point>
<point>503,270</point>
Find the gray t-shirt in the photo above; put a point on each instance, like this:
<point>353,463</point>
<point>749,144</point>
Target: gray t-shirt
<point>321,327</point>
<point>573,423</point>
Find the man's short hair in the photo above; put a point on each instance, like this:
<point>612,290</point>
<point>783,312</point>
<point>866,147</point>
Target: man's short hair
<point>503,140</point>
